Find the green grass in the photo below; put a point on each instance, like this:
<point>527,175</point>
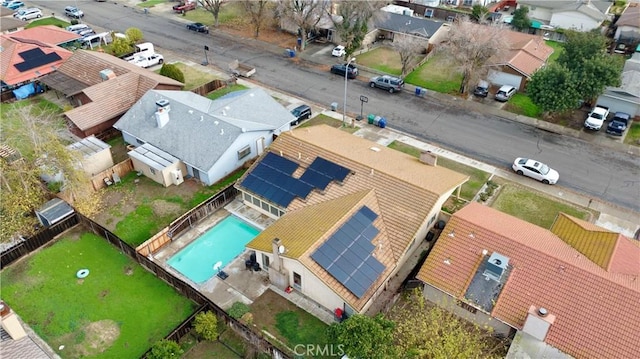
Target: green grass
<point>383,59</point>
<point>522,104</point>
<point>477,178</point>
<point>534,207</point>
<point>225,90</point>
<point>205,193</point>
<point>48,21</point>
<point>300,327</point>
<point>140,225</point>
<point>192,77</point>
<point>436,74</point>
<point>44,291</point>
<point>558,48</point>
<point>151,3</point>
<point>228,13</point>
<point>633,134</point>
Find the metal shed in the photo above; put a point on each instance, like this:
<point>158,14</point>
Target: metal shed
<point>53,212</point>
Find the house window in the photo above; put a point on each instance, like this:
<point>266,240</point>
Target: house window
<point>247,197</point>
<point>468,2</point>
<point>153,172</point>
<point>265,206</point>
<point>275,211</point>
<point>256,201</point>
<point>297,281</point>
<point>244,152</point>
<point>140,142</point>
<point>265,260</point>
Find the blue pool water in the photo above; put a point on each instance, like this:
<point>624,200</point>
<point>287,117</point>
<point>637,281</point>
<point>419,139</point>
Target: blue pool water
<point>221,243</point>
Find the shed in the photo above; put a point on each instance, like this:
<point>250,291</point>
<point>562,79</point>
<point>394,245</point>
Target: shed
<point>53,212</point>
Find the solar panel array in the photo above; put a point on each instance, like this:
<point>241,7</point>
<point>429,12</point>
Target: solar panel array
<point>272,178</point>
<point>35,58</point>
<point>348,254</point>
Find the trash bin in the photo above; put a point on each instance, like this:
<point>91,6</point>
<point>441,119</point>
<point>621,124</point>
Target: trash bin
<point>370,118</point>
<point>382,123</point>
<point>334,106</point>
<point>300,42</point>
<point>418,91</point>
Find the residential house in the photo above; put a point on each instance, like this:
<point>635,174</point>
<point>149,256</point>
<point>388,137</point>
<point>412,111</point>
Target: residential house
<point>628,25</point>
<point>626,97</point>
<point>525,54</point>
<point>572,291</point>
<point>348,212</point>
<point>389,24</point>
<point>180,133</point>
<point>49,34</point>
<point>95,155</point>
<point>24,60</point>
<point>9,23</point>
<point>580,15</point>
<point>102,88</point>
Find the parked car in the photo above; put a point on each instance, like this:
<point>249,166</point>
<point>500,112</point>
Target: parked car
<point>74,12</point>
<point>15,5</point>
<point>302,112</point>
<point>536,170</point>
<point>198,27</point>
<point>338,51</point>
<point>147,61</point>
<point>482,90</point>
<point>595,118</point>
<point>505,93</point>
<point>340,69</point>
<point>386,82</point>
<point>77,28</point>
<point>184,6</point>
<point>618,124</point>
<point>28,14</point>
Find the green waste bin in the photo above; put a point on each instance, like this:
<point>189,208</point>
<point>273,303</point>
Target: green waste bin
<point>370,118</point>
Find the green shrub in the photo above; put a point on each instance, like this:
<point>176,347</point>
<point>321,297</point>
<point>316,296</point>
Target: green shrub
<point>134,34</point>
<point>54,187</point>
<point>74,21</point>
<point>238,309</point>
<point>164,349</point>
<point>483,196</point>
<point>172,72</point>
<point>206,325</point>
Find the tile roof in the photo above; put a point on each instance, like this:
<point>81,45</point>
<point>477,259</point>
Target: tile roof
<point>630,16</point>
<point>526,53</point>
<point>597,312</point>
<point>10,50</point>
<point>399,188</point>
<point>49,34</point>
<point>11,23</point>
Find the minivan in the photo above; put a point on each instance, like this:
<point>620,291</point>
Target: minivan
<point>505,93</point>
<point>301,113</point>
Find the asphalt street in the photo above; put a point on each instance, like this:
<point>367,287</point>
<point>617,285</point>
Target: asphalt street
<point>588,168</point>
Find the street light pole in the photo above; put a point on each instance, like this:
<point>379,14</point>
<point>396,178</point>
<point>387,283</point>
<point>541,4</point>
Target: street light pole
<point>344,108</point>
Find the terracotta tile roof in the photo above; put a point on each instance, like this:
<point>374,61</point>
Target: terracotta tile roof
<point>9,56</point>
<point>399,188</point>
<point>526,53</point>
<point>630,16</point>
<point>49,34</point>
<point>597,312</point>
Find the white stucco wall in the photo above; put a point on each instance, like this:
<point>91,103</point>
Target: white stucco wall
<point>573,20</point>
<point>98,162</point>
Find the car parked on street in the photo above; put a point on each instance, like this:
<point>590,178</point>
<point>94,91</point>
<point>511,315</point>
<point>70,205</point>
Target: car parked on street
<point>14,5</point>
<point>536,170</point>
<point>338,51</point>
<point>73,12</point>
<point>482,90</point>
<point>618,124</point>
<point>302,112</point>
<point>28,14</point>
<point>505,93</point>
<point>146,61</point>
<point>388,83</point>
<point>198,27</point>
<point>341,69</point>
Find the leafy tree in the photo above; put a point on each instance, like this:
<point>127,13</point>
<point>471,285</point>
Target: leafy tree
<point>238,309</point>
<point>165,349</point>
<point>121,46</point>
<point>581,46</point>
<point>257,10</point>
<point>206,325</point>
<point>172,71</point>
<point>407,47</point>
<point>350,22</point>
<point>362,336</point>
<point>553,89</point>
<point>480,13</point>
<point>520,20</point>
<point>305,14</point>
<point>213,6</point>
<point>134,35</point>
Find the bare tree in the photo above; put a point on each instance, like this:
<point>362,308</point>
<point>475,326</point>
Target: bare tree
<point>212,6</point>
<point>350,19</point>
<point>304,14</point>
<point>407,47</point>
<point>470,47</point>
<point>257,10</point>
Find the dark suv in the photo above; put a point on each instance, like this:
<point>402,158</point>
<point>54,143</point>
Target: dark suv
<point>340,69</point>
<point>301,113</point>
<point>618,124</point>
<point>389,83</point>
<point>482,90</point>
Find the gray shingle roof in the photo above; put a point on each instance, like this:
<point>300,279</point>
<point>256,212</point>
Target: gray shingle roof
<point>407,24</point>
<point>200,130</point>
<point>563,5</point>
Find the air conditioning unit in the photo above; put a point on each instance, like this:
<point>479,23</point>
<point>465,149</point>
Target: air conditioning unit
<point>176,177</point>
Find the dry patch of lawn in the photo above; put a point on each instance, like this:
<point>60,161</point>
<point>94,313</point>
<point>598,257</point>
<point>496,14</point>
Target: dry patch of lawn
<point>383,59</point>
<point>436,74</point>
<point>193,78</point>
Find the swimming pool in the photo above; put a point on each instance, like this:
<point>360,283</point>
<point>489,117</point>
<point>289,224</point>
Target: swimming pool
<point>221,243</point>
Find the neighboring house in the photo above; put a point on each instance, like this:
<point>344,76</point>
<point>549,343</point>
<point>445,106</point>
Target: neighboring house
<point>525,55</point>
<point>49,34</point>
<point>580,15</point>
<point>96,155</point>
<point>389,25</point>
<point>349,213</point>
<point>569,291</point>
<point>628,25</point>
<point>24,60</point>
<point>180,133</point>
<point>10,24</point>
<point>102,88</point>
<point>626,97</point>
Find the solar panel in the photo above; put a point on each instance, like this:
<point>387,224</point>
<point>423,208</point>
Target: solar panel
<point>35,58</point>
<point>329,168</point>
<point>315,178</point>
<point>347,254</point>
<point>282,164</point>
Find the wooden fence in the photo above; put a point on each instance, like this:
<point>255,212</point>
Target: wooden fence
<point>209,86</point>
<point>121,169</point>
<point>7,96</point>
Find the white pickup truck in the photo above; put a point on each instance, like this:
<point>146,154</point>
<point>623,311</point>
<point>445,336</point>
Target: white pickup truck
<point>596,118</point>
<point>146,61</point>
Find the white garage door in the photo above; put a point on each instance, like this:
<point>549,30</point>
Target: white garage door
<point>503,78</point>
<point>616,105</point>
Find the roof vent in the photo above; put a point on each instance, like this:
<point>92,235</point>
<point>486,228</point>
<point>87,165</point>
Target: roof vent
<point>543,312</point>
<point>495,266</point>
<point>375,149</point>
<point>107,74</point>
<point>163,103</point>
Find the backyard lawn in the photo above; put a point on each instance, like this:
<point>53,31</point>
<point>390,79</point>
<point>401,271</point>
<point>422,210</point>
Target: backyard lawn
<point>558,48</point>
<point>383,59</point>
<point>437,74</point>
<point>534,207</point>
<point>117,311</point>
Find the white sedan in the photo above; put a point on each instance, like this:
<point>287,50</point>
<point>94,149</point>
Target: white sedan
<point>338,51</point>
<point>534,169</point>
